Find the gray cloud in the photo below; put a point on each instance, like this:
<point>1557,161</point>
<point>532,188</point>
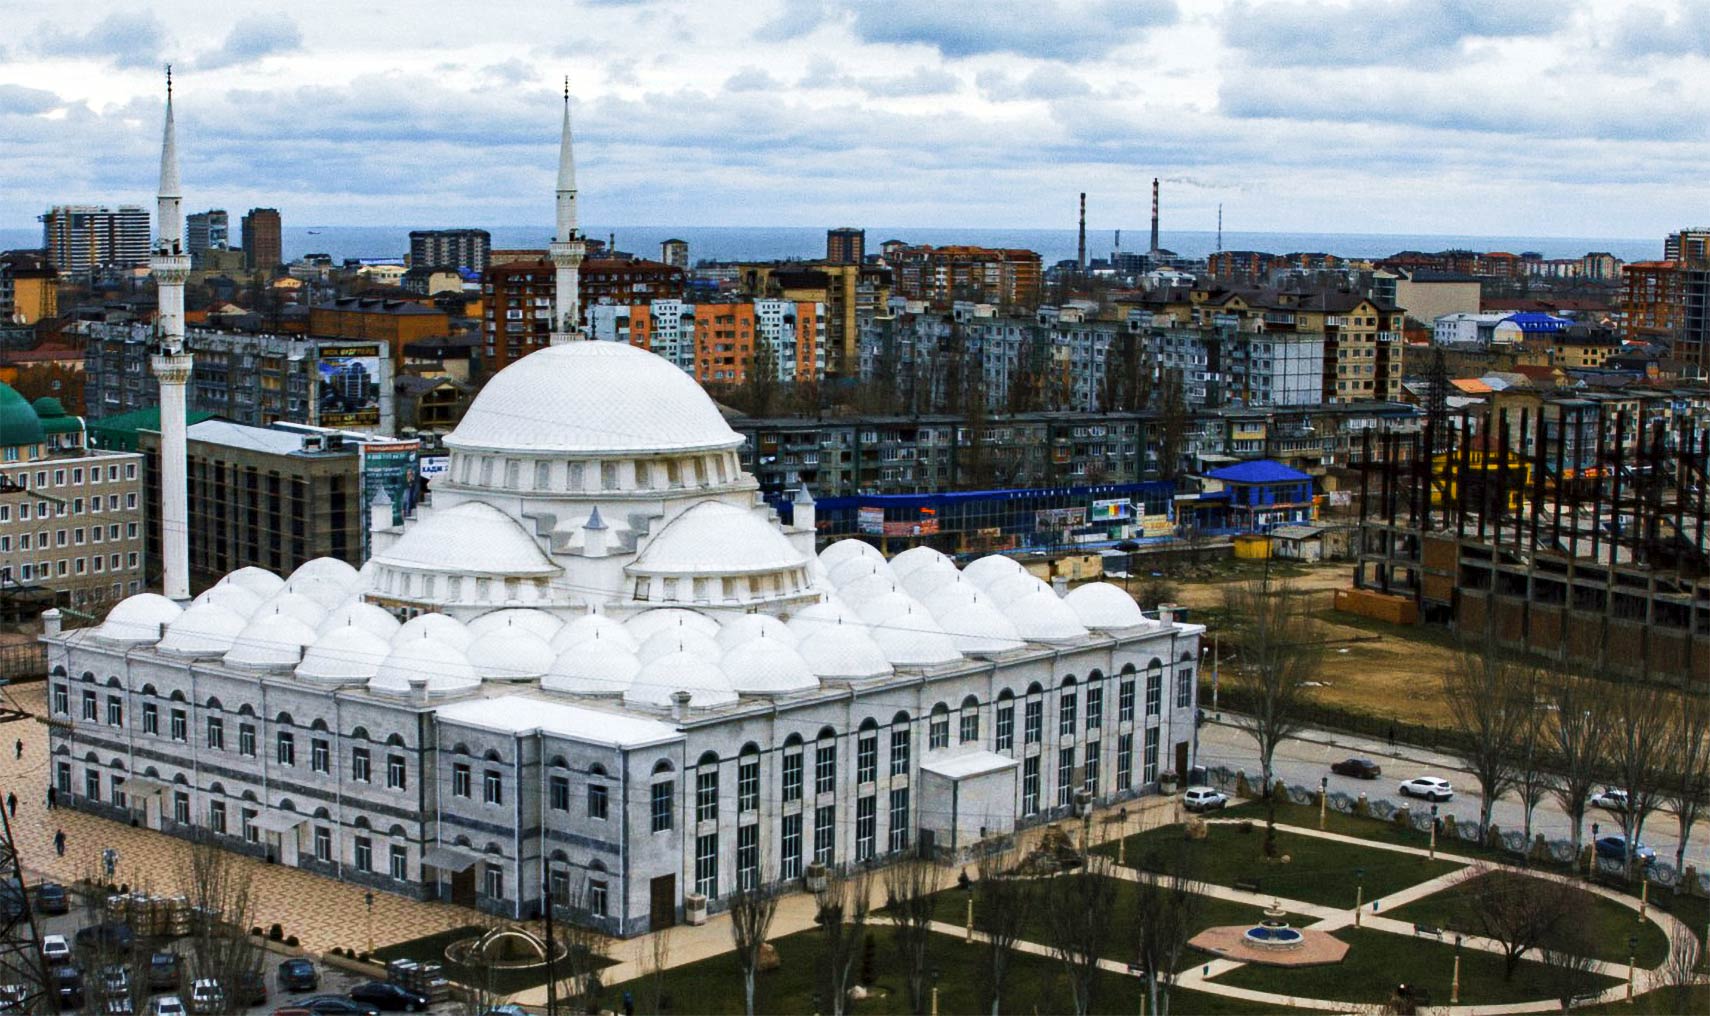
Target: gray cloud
<point>27,101</point>
<point>1376,32</point>
<point>752,79</point>
<point>254,38</point>
<point>128,40</point>
<point>1051,81</point>
<point>1645,30</point>
<point>1061,29</point>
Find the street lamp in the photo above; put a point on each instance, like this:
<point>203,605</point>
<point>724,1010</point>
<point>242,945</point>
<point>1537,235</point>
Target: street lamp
<point>968,887</point>
<point>1591,862</point>
<point>1433,832</point>
<point>1359,894</point>
<point>1632,962</point>
<point>368,898</point>
<point>1455,985</point>
<point>1323,800</point>
<point>934,991</point>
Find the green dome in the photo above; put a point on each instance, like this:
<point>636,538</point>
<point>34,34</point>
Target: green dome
<point>19,424</point>
<point>47,406</point>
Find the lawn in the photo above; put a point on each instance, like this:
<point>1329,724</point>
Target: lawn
<point>1608,922</point>
<point>1377,961</point>
<point>1035,984</point>
<point>1319,871</point>
<point>431,949</point>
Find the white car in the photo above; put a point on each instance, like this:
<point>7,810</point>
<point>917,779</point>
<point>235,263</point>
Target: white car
<point>55,949</point>
<point>206,996</point>
<point>1203,799</point>
<point>1431,788</point>
<point>1611,799</point>
<point>169,1005</point>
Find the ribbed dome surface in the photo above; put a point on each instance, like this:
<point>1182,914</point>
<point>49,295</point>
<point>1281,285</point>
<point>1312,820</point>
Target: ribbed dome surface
<point>591,627</point>
<point>350,654</point>
<point>714,538</point>
<point>137,619</point>
<point>471,538</point>
<point>1044,617</point>
<point>359,614</point>
<point>842,550</point>
<point>434,628</point>
<point>985,570</point>
<point>270,640</point>
<point>1104,606</point>
<point>310,612</point>
<point>856,567</point>
<point>916,557</point>
<point>706,684</point>
<point>767,666</point>
<point>744,627</point>
<point>645,625</point>
<point>537,621</point>
<point>980,628</point>
<point>19,424</point>
<point>843,653</point>
<point>240,600</point>
<point>446,669</point>
<point>510,653</point>
<point>1006,590</point>
<point>673,640</point>
<point>259,581</point>
<point>329,569</point>
<point>328,593</point>
<point>206,629</point>
<point>597,666</point>
<point>915,640</point>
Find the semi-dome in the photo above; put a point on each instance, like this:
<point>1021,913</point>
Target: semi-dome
<point>986,570</point>
<point>1044,617</point>
<point>348,654</point>
<point>138,619</point>
<point>744,627</point>
<point>706,684</point>
<point>596,666</point>
<point>594,626</point>
<point>19,424</point>
<point>767,666</point>
<point>240,600</point>
<point>330,569</point>
<point>844,653</point>
<point>914,639</point>
<point>310,612</point>
<point>537,621</point>
<point>430,627</point>
<point>205,629</point>
<point>446,669</point>
<point>1104,606</point>
<point>916,557</point>
<point>715,538</point>
<point>259,581</point>
<point>593,398</point>
<point>648,623</point>
<point>674,640</point>
<point>842,550</point>
<point>510,653</point>
<point>47,407</point>
<point>360,614</point>
<point>980,628</point>
<point>472,538</point>
<point>272,641</point>
<point>857,567</point>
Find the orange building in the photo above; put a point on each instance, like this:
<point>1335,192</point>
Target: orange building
<point>1008,277</point>
<point>392,321</point>
<point>718,342</point>
<point>1653,300</point>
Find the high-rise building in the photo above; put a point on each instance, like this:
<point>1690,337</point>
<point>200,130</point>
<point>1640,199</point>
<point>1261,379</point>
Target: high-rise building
<point>721,343</point>
<point>518,298</point>
<point>450,248</point>
<point>29,288</point>
<point>941,276</point>
<point>206,231</point>
<point>846,245</point>
<point>79,238</point>
<point>1690,244</point>
<point>675,253</point>
<point>263,240</point>
<point>850,294</point>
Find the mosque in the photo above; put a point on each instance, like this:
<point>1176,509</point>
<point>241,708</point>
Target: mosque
<point>597,668</point>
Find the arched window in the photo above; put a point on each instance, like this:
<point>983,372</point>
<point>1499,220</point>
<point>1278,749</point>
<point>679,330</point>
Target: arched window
<point>460,748</point>
<point>827,734</point>
<point>287,805</point>
<point>397,831</point>
<point>492,756</point>
<point>359,734</point>
<point>708,758</point>
<point>938,730</point>
<point>148,689</point>
<point>113,682</point>
<point>394,741</point>
<point>663,766</point>
<point>968,723</point>
<point>900,717</point>
<point>177,696</point>
<point>283,719</point>
<point>793,741</point>
<point>214,703</point>
<point>247,710</point>
<point>558,762</point>
<point>319,724</point>
<point>362,822</point>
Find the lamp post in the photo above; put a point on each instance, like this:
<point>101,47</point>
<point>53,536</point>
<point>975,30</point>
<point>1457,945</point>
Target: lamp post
<point>1455,985</point>
<point>1433,832</point>
<point>968,885</point>
<point>1323,800</point>
<point>1121,837</point>
<point>1632,962</point>
<point>1591,862</point>
<point>368,898</point>
<point>934,991</point>
<point>1359,894</point>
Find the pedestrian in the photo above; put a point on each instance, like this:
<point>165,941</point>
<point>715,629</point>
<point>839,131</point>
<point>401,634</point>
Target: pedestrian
<point>18,748</point>
<point>628,1004</point>
<point>11,804</point>
<point>59,841</point>
<point>1392,735</point>
<point>50,800</point>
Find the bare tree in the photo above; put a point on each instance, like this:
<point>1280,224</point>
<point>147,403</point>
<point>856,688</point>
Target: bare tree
<point>1680,971</point>
<point>1167,909</point>
<point>654,962</point>
<point>751,913</point>
<point>1278,654</point>
<point>1532,777</point>
<point>1001,905</point>
<point>1687,786</point>
<point>909,888</point>
<point>841,909</point>
<point>1638,742</point>
<point>222,907</point>
<point>1078,907</point>
<point>582,946</point>
<point>1579,737</point>
<point>1570,953</point>
<point>1519,912</point>
<point>1485,696</point>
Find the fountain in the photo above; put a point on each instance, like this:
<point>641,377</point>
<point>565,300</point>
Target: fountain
<point>505,948</point>
<point>1273,932</point>
<point>1271,942</point>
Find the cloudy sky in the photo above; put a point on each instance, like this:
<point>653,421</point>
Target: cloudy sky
<point>1427,116</point>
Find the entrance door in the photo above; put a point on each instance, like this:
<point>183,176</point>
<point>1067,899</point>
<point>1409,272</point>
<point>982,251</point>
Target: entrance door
<point>463,887</point>
<point>288,846</point>
<point>151,810</point>
<point>663,906</point>
<point>1181,760</point>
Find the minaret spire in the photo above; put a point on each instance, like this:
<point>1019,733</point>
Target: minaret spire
<point>567,250</point>
<point>171,365</point>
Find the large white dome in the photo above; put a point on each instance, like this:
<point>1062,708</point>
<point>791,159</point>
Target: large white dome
<point>1102,605</point>
<point>714,538</point>
<point>350,654</point>
<point>1044,617</point>
<point>472,538</point>
<point>664,677</point>
<point>600,665</point>
<point>270,640</point>
<point>361,614</point>
<point>986,570</point>
<point>240,600</point>
<point>767,666</point>
<point>593,398</point>
<point>843,652</point>
<point>917,557</point>
<point>537,621</point>
<point>138,619</point>
<point>743,627</point>
<point>441,628</point>
<point>591,627</point>
<point>206,629</point>
<point>446,670</point>
<point>259,581</point>
<point>842,550</point>
<point>510,653</point>
<point>649,623</point>
<point>979,628</point>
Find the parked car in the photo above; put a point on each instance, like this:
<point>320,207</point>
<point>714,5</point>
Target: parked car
<point>55,949</point>
<point>68,983</point>
<point>165,970</point>
<point>1614,848</point>
<point>51,899</point>
<point>206,996</point>
<point>336,1005</point>
<point>1358,768</point>
<point>1203,799</point>
<point>12,997</point>
<point>1431,788</point>
<point>168,1005</point>
<point>1611,799</point>
<point>113,935</point>
<point>251,988</point>
<point>389,997</point>
<point>118,1005</point>
<point>298,975</point>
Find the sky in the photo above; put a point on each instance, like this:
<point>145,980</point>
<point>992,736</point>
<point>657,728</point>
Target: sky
<point>1483,117</point>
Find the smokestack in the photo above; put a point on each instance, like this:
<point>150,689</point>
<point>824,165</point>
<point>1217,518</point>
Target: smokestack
<point>1081,255</point>
<point>1154,249</point>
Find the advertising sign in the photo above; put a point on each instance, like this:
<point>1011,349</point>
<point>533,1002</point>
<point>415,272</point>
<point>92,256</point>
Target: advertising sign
<point>1049,519</point>
<point>1111,511</point>
<point>435,466</point>
<point>392,467</point>
<point>347,386</point>
<point>870,521</point>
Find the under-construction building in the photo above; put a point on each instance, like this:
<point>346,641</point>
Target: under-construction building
<point>1574,529</point>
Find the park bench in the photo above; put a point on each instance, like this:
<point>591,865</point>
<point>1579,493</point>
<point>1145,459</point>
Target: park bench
<point>1427,929</point>
<point>1247,885</point>
<point>1583,998</point>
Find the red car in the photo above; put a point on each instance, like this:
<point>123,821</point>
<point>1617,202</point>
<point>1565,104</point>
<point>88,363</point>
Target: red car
<point>1358,768</point>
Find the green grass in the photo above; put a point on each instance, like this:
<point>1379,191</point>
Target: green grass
<point>431,949</point>
<point>1377,961</point>
<point>1607,923</point>
<point>1661,1002</point>
<point>1319,871</point>
<point>1035,984</point>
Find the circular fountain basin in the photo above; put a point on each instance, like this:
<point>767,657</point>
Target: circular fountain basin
<point>1267,936</point>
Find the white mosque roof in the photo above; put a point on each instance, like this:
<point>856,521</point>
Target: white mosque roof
<point>328,593</point>
<point>361,614</point>
<point>471,538</point>
<point>597,666</point>
<point>673,640</point>
<point>446,669</point>
<point>537,621</point>
<point>744,627</point>
<point>597,398</point>
<point>434,628</point>
<point>510,653</point>
<point>843,652</point>
<point>842,550</point>
<point>868,587</point>
<point>238,599</point>
<point>310,612</point>
<point>914,639</point>
<point>648,623</point>
<point>1044,617</point>
<point>1104,606</point>
<point>347,654</point>
<point>259,581</point>
<point>206,629</point>
<point>856,567</point>
<point>947,598</point>
<point>978,627</point>
<point>706,684</point>
<point>329,569</point>
<point>139,619</point>
<point>984,570</point>
<point>767,666</point>
<point>916,557</point>
<point>521,714</point>
<point>714,538</point>
<point>1009,588</point>
<point>271,640</point>
<point>594,626</point>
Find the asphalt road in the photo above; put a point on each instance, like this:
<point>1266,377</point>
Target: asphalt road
<point>1304,760</point>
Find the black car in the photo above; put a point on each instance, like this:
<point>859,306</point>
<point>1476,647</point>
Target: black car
<point>251,988</point>
<point>335,1005</point>
<point>68,981</point>
<point>390,997</point>
<point>165,971</point>
<point>112,935</point>
<point>298,975</point>
<point>51,899</point>
<point>1358,768</point>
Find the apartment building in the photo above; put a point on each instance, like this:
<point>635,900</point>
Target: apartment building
<point>82,238</point>
<point>717,343</point>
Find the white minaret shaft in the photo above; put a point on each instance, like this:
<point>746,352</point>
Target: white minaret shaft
<point>170,266</point>
<point>567,248</point>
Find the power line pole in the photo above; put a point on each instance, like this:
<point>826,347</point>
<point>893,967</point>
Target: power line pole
<point>21,961</point>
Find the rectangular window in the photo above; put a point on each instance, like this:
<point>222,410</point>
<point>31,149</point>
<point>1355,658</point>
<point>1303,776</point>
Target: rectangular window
<point>1066,714</point>
<point>793,777</point>
<point>1033,722</point>
<point>150,718</point>
<point>597,801</point>
<point>706,795</point>
<point>287,753</point>
<point>217,816</point>
<point>748,784</point>
<point>1150,773</point>
<point>825,768</point>
<point>323,843</point>
<point>901,739</point>
<point>361,767</point>
<point>748,856</point>
<point>899,819</point>
<point>216,733</point>
<point>460,780</point>
<point>115,711</point>
<point>558,793</point>
<point>364,854</point>
<point>400,862</point>
<point>1095,707</point>
<point>1125,701</point>
<point>396,778</point>
<point>1154,692</point>
<point>495,882</point>
<point>938,732</point>
<point>867,758</point>
<point>92,784</point>
<point>1124,761</point>
<point>1089,777</point>
<point>599,897</point>
<point>492,787</point>
<point>790,861</point>
<point>181,807</point>
<point>1065,775</point>
<point>246,739</point>
<point>824,833</point>
<point>660,805</point>
<point>1006,727</point>
<point>320,755</point>
<point>706,865</point>
<point>1184,687</point>
<point>970,726</point>
<point>61,699</point>
<point>866,827</point>
<point>251,831</point>
<point>1030,785</point>
<point>178,725</point>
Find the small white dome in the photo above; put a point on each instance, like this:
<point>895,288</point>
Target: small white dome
<point>882,608</point>
<point>259,581</point>
<point>328,569</point>
<point>818,571</point>
<point>308,611</point>
<point>843,653</point>
<point>767,666</point>
<point>139,619</point>
<point>206,629</point>
<point>915,557</point>
<point>925,579</point>
<point>867,587</point>
<point>1044,617</point>
<point>360,614</point>
<point>673,640</point>
<point>347,654</point>
<point>596,666</point>
<point>986,570</point>
<point>440,628</point>
<point>848,570</point>
<point>810,622</point>
<point>951,597</point>
<point>537,621</point>
<point>325,592</point>
<point>1105,606</point>
<point>744,627</point>
<point>240,600</point>
<point>980,628</point>
<point>715,538</point>
<point>914,639</point>
<point>446,669</point>
<point>594,626</point>
<point>842,550</point>
<point>510,653</point>
<point>706,684</point>
<point>272,641</point>
<point>649,623</point>
<point>1010,588</point>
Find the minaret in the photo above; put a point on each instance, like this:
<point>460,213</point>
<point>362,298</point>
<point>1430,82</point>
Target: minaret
<point>567,248</point>
<point>1154,250</point>
<point>170,266</point>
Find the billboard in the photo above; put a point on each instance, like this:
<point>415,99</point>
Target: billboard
<point>1047,520</point>
<point>870,521</point>
<point>1119,510</point>
<point>390,466</point>
<point>434,466</point>
<point>347,386</point>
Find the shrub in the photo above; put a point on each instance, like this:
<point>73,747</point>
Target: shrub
<point>1244,826</point>
<point>276,933</point>
<point>1242,787</point>
<point>256,931</point>
<point>363,956</point>
<point>291,940</point>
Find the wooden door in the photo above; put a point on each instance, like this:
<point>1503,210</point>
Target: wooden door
<point>663,906</point>
<point>463,887</point>
<point>1181,761</point>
